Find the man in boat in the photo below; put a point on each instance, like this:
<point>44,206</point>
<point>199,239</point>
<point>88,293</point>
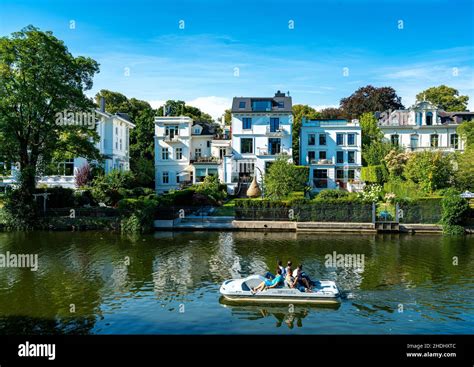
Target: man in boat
<point>267,283</point>
<point>302,278</point>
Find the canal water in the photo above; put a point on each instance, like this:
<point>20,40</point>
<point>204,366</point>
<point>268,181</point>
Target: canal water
<point>168,283</point>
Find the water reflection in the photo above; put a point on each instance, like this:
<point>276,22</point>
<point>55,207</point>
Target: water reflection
<point>112,279</point>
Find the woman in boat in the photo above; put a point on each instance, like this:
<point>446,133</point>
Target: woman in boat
<point>267,283</point>
<point>301,280</point>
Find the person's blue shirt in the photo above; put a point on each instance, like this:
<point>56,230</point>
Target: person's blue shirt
<point>275,280</point>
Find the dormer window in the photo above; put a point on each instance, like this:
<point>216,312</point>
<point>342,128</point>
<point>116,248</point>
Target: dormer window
<point>281,104</point>
<point>429,118</point>
<point>261,105</point>
<point>242,104</point>
<point>197,131</point>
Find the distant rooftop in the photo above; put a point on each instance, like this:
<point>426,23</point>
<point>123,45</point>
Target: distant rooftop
<point>280,102</point>
<point>329,122</point>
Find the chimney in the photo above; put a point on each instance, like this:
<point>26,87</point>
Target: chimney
<point>279,94</point>
<point>102,104</point>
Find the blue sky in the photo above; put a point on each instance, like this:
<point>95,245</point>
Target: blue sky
<point>247,48</point>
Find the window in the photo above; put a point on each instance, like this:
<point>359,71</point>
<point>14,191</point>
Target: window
<point>165,177</point>
<point>246,168</point>
<point>177,177</point>
<point>340,139</point>
<point>281,104</point>
<point>434,140</point>
<point>320,178</point>
<point>351,139</point>
<point>395,139</point>
<point>172,131</point>
<point>339,174</point>
<point>179,153</point>
<point>429,118</point>
<point>200,174</point>
<point>351,157</point>
<point>197,131</point>
<point>120,144</point>
<point>246,145</point>
<point>274,124</point>
<point>246,123</point>
<point>322,139</point>
<point>222,152</point>
<point>311,139</point>
<point>165,154</point>
<point>340,157</point>
<point>322,154</point>
<point>274,146</point>
<point>262,105</point>
<point>116,130</point>
<point>197,153</point>
<point>454,141</point>
<point>414,141</point>
<point>212,171</point>
<point>311,155</point>
<point>116,144</point>
<point>208,143</point>
<point>418,118</point>
<point>350,174</point>
<point>242,104</point>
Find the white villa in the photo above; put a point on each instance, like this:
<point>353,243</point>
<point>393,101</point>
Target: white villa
<point>424,127</point>
<point>186,152</point>
<point>332,150</point>
<point>261,130</point>
<point>113,145</point>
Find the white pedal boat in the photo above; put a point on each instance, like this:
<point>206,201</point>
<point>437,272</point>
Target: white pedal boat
<point>239,290</point>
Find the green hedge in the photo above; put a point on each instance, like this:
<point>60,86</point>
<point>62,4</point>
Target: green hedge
<point>373,174</point>
<point>422,210</point>
<point>327,210</point>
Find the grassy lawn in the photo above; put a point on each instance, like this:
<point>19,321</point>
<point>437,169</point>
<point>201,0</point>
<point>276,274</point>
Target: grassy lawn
<point>226,210</point>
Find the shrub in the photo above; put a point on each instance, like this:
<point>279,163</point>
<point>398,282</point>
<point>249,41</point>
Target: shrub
<point>372,193</point>
<point>83,175</point>
<point>137,214</point>
<point>422,210</point>
<point>111,188</point>
<point>212,189</point>
<point>373,174</point>
<point>455,210</point>
<point>331,194</point>
<point>59,197</point>
<point>431,170</point>
<point>403,189</point>
<point>283,177</point>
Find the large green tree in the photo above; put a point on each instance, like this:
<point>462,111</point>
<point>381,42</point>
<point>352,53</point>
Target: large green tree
<point>466,132</point>
<point>370,99</point>
<point>444,97</point>
<point>283,177</point>
<point>178,108</point>
<point>432,170</point>
<point>40,78</point>
<point>300,111</point>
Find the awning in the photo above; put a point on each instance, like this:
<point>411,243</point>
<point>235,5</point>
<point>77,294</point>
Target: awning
<point>186,171</point>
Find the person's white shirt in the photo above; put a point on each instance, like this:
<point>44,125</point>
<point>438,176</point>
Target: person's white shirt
<point>283,270</point>
<point>295,273</point>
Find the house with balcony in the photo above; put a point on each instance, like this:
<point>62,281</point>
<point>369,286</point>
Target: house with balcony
<point>423,126</point>
<point>113,145</point>
<point>261,130</point>
<point>186,152</point>
<point>332,150</point>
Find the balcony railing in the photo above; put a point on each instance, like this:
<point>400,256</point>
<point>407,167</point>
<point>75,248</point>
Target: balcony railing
<point>447,149</point>
<point>202,159</point>
<point>269,152</point>
<point>276,132</point>
<point>321,161</point>
<point>169,139</point>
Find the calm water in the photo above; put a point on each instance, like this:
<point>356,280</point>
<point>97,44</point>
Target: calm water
<point>173,272</point>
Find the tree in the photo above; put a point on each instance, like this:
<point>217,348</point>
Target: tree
<point>332,113</point>
<point>431,170</point>
<point>300,111</point>
<point>444,97</point>
<point>395,162</point>
<point>466,132</point>
<point>228,117</point>
<point>374,147</point>
<point>179,108</point>
<point>284,177</point>
<point>464,174</point>
<point>40,78</point>
<point>370,99</point>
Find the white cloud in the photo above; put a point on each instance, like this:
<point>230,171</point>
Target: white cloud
<point>322,107</point>
<point>214,106</point>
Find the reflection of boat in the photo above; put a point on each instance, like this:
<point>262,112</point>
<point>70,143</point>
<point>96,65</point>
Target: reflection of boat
<point>239,290</point>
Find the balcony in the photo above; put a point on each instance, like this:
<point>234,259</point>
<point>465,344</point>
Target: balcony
<point>270,152</point>
<point>443,149</point>
<point>171,139</point>
<point>205,160</point>
<point>322,162</point>
<point>276,133</point>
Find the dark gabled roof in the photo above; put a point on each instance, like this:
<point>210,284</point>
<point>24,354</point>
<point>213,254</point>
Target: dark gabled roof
<point>207,128</point>
<point>124,116</point>
<point>276,100</point>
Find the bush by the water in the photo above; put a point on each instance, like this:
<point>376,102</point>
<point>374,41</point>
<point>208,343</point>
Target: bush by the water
<point>421,210</point>
<point>455,212</point>
<point>137,214</point>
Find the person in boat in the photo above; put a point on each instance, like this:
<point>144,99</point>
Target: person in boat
<point>289,279</point>
<point>300,279</point>
<point>267,283</point>
<point>288,266</point>
<point>280,266</point>
<point>303,274</point>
